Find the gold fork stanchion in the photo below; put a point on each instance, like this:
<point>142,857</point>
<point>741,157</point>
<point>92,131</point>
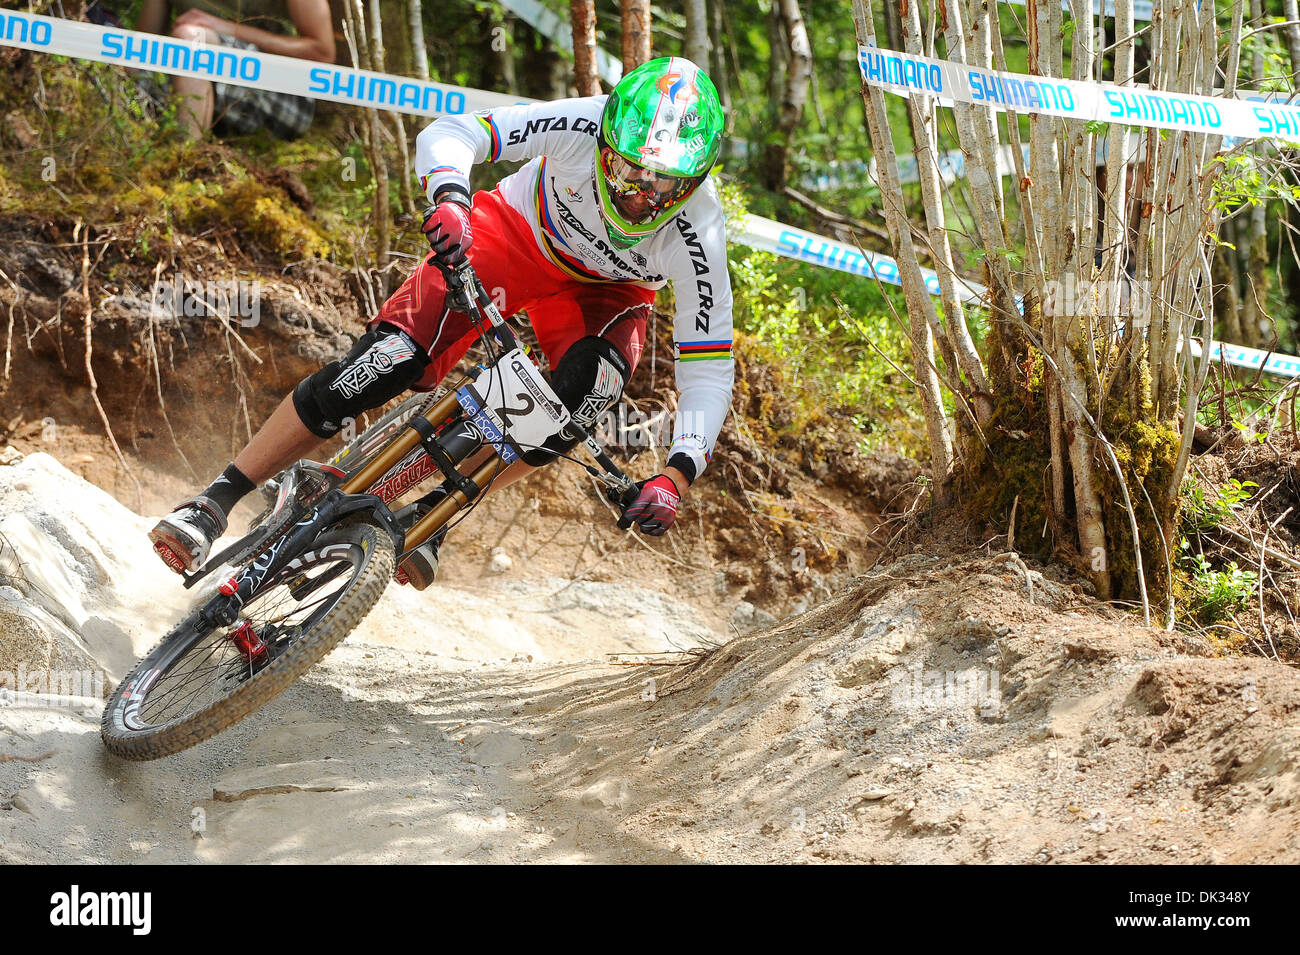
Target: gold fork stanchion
<point>446,509</point>
<point>364,479</point>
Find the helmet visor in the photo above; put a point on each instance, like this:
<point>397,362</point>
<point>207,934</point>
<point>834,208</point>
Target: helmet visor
<point>641,195</point>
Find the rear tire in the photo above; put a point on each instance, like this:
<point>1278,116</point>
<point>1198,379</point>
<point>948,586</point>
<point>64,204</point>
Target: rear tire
<point>128,727</point>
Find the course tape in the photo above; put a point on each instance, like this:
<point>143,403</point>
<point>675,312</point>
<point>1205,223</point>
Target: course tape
<point>1142,9</point>
<point>792,243</point>
<point>1250,116</point>
<point>283,74</point>
<point>402,94</point>
<point>1288,366</point>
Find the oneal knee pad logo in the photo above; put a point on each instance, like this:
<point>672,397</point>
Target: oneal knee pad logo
<point>75,908</point>
<point>377,361</point>
<point>604,392</point>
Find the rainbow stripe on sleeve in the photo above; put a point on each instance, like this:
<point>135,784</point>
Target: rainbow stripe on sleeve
<point>703,351</point>
<point>424,180</point>
<point>490,125</point>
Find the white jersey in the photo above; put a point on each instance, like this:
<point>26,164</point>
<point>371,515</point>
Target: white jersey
<point>556,194</point>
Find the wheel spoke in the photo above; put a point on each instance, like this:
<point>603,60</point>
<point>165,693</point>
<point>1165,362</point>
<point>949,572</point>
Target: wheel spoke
<point>212,667</point>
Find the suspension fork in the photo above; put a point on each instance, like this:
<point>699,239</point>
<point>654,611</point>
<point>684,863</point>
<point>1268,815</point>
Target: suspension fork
<point>402,445</point>
<point>446,509</point>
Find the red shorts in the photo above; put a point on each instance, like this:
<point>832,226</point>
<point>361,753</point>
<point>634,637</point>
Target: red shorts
<point>517,276</point>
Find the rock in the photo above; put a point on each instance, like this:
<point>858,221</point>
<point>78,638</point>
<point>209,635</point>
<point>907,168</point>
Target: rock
<point>747,617</point>
<point>10,455</point>
<point>314,776</point>
<point>23,803</point>
<point>491,744</point>
<point>501,561</point>
<point>606,794</point>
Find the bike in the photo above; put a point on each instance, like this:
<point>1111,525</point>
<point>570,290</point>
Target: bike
<point>318,558</point>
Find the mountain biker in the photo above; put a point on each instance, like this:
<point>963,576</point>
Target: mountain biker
<point>614,202</point>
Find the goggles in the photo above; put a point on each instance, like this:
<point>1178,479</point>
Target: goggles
<point>628,182</point>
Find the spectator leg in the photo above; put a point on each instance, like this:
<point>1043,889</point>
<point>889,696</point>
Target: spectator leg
<point>194,96</point>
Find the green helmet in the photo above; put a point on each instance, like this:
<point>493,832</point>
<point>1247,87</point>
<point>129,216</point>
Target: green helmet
<point>659,136</point>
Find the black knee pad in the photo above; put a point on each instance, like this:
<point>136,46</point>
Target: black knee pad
<point>384,362</point>
<point>589,379</point>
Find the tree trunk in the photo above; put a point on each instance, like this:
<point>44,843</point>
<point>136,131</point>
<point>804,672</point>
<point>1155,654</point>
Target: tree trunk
<point>399,45</point>
<point>697,45</point>
<point>582,17</point>
<point>420,55</point>
<point>920,305</point>
<point>717,68</point>
<point>364,51</point>
<point>1072,367</point>
<point>956,344</point>
<point>546,73</point>
<point>1292,34</point>
<point>794,93</point>
<point>1255,259</point>
<point>636,33</point>
<point>497,50</point>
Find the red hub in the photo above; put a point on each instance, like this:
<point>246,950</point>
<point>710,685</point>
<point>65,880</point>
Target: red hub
<point>246,640</point>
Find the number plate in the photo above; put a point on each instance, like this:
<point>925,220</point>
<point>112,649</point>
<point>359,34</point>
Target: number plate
<point>513,405</point>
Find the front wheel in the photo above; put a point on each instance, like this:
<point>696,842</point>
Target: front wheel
<point>203,678</point>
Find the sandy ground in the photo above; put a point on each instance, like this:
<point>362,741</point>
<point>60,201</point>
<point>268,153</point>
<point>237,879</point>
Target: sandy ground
<point>955,709</point>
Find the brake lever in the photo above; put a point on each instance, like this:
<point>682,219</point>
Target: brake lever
<point>460,287</point>
<point>621,496</point>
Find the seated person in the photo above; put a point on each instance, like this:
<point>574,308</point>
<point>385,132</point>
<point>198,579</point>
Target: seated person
<point>299,28</point>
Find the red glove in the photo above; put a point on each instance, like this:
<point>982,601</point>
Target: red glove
<point>654,509</point>
<point>447,227</point>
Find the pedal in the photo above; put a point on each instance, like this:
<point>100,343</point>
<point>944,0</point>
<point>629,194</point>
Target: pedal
<point>169,556</point>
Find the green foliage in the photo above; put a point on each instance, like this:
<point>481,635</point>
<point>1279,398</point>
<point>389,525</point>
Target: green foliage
<point>840,361</point>
<point>1201,514</point>
<point>114,164</point>
<point>1212,594</point>
<point>1217,594</point>
<point>1245,180</point>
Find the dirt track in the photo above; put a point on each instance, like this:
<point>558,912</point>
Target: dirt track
<point>780,748</point>
<point>1062,735</point>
